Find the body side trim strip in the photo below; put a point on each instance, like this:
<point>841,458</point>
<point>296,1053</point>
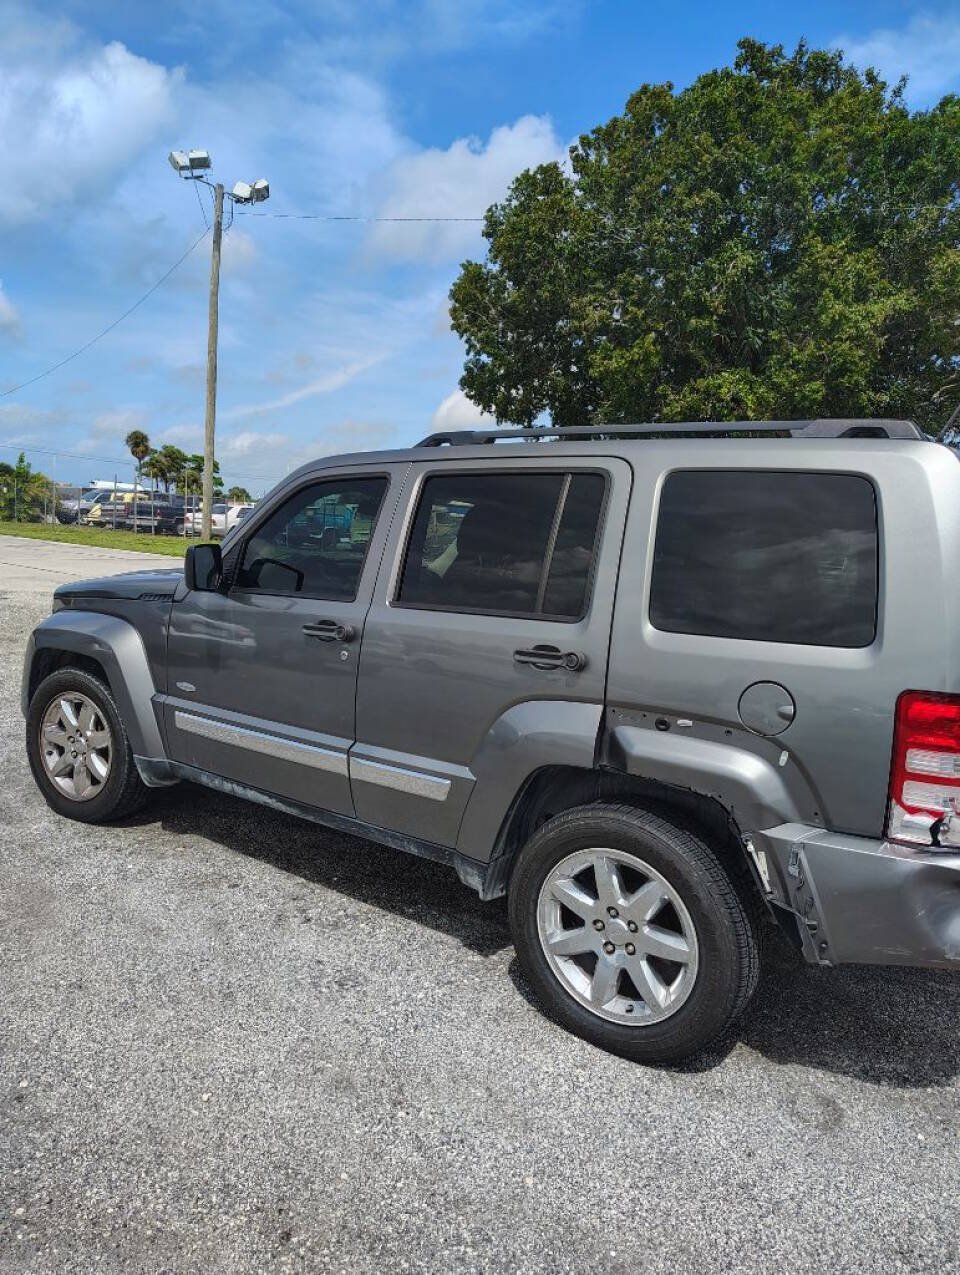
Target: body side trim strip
<point>257,742</point>
<point>414,782</point>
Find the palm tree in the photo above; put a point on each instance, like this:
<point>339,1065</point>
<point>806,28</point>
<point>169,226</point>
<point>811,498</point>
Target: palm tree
<point>155,468</point>
<point>138,445</point>
<point>239,496</point>
<point>172,460</point>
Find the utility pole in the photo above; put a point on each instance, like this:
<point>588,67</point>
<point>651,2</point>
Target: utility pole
<point>209,425</point>
<point>191,166</point>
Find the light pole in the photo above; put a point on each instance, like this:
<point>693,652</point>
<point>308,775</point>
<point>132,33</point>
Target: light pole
<point>191,165</point>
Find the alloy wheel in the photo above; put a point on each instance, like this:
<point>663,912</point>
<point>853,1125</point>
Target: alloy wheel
<point>617,936</point>
<point>76,745</point>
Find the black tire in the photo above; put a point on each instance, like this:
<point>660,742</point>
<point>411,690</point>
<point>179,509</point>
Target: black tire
<point>123,791</point>
<point>723,920</point>
<point>179,528</point>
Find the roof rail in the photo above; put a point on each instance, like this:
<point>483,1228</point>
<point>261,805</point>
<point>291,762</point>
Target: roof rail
<point>821,428</point>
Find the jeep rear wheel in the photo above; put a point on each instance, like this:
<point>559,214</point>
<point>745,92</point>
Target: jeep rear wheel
<point>632,933</point>
<point>79,751</point>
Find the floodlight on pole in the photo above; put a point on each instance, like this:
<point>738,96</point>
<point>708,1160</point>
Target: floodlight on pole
<point>191,165</point>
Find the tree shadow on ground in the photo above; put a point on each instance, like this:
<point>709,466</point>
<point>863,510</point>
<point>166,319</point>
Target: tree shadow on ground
<point>887,1025</point>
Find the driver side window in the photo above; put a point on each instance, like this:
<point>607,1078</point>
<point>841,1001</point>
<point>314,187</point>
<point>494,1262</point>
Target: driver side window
<point>315,544</point>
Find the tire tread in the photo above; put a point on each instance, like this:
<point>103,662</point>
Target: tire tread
<point>662,1042</point>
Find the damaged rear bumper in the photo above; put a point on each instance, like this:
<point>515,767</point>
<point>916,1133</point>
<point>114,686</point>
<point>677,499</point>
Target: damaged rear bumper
<point>854,900</point>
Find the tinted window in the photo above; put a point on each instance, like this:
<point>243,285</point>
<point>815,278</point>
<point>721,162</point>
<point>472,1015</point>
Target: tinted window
<point>492,543</point>
<point>776,557</point>
<point>316,542</point>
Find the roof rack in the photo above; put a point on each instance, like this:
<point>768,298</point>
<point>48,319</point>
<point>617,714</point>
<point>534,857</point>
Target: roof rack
<point>821,428</point>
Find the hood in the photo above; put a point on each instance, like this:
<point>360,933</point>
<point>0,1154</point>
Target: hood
<point>152,584</point>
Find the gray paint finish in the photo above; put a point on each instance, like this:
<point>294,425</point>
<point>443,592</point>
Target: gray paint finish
<point>432,730</point>
<point>845,699</point>
<point>865,901</point>
<point>444,686</point>
<point>249,658</point>
<point>118,647</point>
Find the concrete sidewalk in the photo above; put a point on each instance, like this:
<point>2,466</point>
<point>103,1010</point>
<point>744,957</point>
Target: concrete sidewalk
<point>38,566</point>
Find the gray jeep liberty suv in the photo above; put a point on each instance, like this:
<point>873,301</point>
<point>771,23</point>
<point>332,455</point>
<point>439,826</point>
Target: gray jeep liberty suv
<point>657,683</point>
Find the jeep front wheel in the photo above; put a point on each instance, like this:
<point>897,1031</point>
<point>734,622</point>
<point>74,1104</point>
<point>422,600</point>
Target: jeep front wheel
<point>79,751</point>
<point>632,933</point>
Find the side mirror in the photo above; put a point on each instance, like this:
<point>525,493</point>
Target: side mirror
<point>203,568</point>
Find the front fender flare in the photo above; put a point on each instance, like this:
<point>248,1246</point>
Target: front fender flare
<point>115,645</point>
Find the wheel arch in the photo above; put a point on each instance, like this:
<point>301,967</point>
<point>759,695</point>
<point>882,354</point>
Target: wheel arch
<point>553,789</point>
<point>108,647</point>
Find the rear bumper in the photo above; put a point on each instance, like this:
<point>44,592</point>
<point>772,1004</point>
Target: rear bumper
<point>859,901</point>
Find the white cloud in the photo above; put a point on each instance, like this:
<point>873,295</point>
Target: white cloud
<point>9,316</point>
<point>117,424</point>
<point>83,112</point>
<point>188,437</point>
<point>458,412</point>
<point>927,50</point>
<point>250,441</point>
<point>461,181</point>
<point>335,380</point>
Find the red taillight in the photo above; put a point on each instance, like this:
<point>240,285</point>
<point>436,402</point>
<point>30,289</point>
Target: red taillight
<point>925,775</point>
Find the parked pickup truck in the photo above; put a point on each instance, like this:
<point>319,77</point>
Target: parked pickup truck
<point>163,515</point>
<point>663,686</point>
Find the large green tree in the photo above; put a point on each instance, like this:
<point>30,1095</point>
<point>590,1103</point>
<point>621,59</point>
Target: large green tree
<point>778,240</point>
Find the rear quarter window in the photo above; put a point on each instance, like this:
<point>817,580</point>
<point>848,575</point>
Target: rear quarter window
<point>770,556</point>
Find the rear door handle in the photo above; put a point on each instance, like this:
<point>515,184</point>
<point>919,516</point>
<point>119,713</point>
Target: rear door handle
<point>330,631</point>
<point>548,657</point>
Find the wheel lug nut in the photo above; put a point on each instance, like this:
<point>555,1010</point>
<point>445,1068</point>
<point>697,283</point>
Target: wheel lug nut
<point>631,950</point>
<point>628,1009</point>
<point>598,924</point>
<point>632,927</point>
<point>612,912</point>
<point>609,948</point>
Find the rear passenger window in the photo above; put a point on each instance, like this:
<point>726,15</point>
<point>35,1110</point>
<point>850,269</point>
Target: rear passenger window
<point>769,556</point>
<point>518,544</point>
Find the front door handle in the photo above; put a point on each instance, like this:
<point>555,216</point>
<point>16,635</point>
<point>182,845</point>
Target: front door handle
<point>547,657</point>
<point>330,631</point>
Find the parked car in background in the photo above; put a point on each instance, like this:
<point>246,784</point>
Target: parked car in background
<point>168,515</point>
<point>223,519</point>
<point>164,512</point>
<point>99,492</point>
<point>106,506</point>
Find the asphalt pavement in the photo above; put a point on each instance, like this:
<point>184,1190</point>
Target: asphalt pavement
<point>234,1042</point>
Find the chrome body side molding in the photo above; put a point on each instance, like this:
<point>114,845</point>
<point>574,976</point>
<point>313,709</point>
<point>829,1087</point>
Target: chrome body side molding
<point>416,783</point>
<point>256,741</point>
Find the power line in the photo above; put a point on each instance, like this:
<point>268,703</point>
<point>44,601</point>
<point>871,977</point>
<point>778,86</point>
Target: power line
<point>325,217</point>
<point>196,187</point>
<point>126,314</point>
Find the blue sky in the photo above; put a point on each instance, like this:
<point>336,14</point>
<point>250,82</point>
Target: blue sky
<point>334,336</point>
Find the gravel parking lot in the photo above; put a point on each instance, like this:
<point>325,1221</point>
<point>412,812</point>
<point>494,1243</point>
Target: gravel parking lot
<point>234,1042</point>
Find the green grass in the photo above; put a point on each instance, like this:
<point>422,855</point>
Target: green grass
<point>101,537</point>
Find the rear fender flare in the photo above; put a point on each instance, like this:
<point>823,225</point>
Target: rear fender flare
<point>756,790</point>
